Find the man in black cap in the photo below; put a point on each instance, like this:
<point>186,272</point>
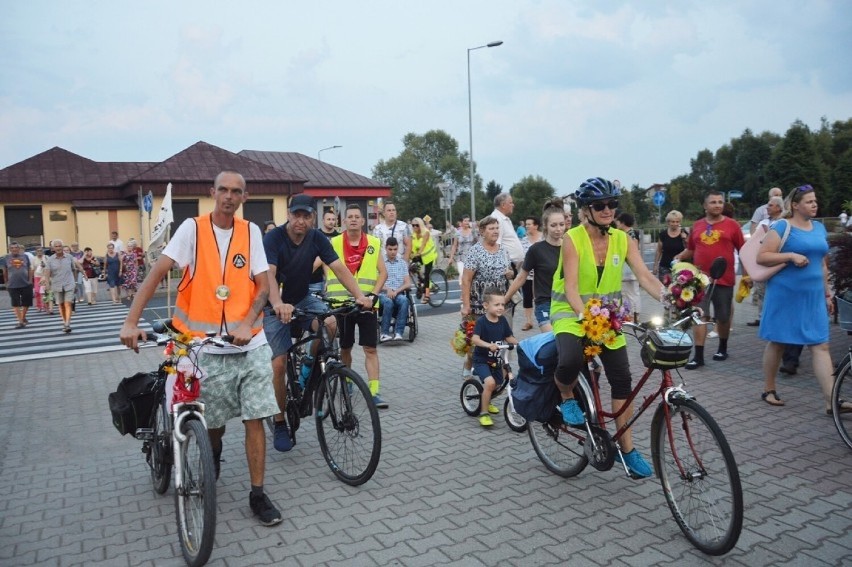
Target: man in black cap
<point>290,251</point>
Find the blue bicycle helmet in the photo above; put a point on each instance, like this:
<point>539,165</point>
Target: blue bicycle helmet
<point>595,189</point>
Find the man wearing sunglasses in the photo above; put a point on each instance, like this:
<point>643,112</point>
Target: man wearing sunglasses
<point>713,236</point>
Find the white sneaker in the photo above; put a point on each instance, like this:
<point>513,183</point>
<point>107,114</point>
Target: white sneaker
<point>397,337</point>
<point>712,335</point>
<point>385,338</point>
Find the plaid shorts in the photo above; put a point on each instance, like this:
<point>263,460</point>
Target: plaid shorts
<point>237,385</point>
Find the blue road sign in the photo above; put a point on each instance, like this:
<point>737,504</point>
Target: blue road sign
<point>735,195</point>
<point>148,202</point>
<point>659,198</point>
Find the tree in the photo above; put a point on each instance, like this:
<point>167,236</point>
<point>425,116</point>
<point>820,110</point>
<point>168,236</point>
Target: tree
<point>491,190</point>
<point>425,161</point>
<point>529,195</point>
<point>795,162</point>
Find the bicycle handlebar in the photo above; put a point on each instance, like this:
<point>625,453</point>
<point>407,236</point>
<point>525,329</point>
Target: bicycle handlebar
<point>166,332</point>
<point>691,315</point>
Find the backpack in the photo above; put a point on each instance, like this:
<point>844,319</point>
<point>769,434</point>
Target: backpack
<point>134,401</point>
<point>534,395</point>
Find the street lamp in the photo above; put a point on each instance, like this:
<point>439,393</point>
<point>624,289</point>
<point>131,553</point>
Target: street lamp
<point>470,128</point>
<point>319,153</point>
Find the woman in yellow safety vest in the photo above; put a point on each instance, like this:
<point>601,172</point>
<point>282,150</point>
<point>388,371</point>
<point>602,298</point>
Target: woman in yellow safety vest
<point>423,250</point>
<point>590,266</point>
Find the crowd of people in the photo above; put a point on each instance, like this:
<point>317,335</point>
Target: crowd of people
<point>241,282</point>
<point>57,278</point>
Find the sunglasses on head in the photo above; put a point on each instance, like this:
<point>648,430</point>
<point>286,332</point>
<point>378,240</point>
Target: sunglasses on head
<point>599,206</point>
<point>803,188</point>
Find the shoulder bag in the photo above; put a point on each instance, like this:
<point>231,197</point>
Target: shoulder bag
<point>748,257</point>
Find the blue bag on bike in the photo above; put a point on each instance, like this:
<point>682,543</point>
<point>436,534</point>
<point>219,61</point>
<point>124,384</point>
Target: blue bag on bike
<point>534,395</point>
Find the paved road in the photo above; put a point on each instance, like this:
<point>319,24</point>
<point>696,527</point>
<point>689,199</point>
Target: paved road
<point>73,492</point>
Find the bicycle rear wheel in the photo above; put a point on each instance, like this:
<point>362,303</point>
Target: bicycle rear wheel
<point>437,288</point>
<point>842,392</point>
<point>160,448</point>
<point>195,496</point>
<point>699,476</point>
<point>348,427</point>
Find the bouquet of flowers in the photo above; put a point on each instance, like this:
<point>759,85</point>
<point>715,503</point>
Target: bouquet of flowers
<point>685,286</point>
<point>461,339</point>
<point>602,321</point>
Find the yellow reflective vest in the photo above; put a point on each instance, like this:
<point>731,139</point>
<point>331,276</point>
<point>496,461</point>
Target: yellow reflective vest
<point>428,255</point>
<point>367,273</point>
<point>561,314</point>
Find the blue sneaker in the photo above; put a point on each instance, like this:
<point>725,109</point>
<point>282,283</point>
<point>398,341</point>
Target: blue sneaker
<point>572,414</point>
<point>636,464</point>
<point>282,440</point>
<point>380,403</point>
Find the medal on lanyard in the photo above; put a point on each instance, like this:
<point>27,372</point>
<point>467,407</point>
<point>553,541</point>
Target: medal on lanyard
<point>223,292</point>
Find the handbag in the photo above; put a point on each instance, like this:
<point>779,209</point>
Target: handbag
<point>748,257</point>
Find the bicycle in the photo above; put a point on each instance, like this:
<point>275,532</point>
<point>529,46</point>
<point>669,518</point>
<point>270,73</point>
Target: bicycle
<point>437,283</point>
<point>471,394</point>
<point>347,421</point>
<point>177,439</point>
<point>690,454</point>
<point>841,392</point>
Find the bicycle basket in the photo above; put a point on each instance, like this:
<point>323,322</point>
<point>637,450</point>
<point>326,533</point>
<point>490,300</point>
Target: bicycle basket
<point>666,349</point>
<point>133,402</point>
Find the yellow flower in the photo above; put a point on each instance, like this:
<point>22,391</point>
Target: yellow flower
<point>595,334</point>
<point>687,294</point>
<point>592,351</point>
<point>609,339</point>
<point>593,302</point>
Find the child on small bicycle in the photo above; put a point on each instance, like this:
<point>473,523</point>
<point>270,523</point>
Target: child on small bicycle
<point>491,331</point>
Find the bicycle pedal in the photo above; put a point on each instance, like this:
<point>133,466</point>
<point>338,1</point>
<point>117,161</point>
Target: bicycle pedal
<point>144,434</point>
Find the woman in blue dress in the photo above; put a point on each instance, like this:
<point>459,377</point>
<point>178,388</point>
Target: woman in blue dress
<point>797,303</point>
<point>113,267</point>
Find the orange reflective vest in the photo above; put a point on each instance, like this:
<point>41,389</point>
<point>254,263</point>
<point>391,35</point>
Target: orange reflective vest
<point>200,307</point>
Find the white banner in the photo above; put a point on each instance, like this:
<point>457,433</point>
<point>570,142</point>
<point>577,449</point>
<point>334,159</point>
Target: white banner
<point>164,219</point>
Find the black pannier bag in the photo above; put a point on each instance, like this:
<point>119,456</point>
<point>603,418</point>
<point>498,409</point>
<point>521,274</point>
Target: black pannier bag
<point>666,349</point>
<point>134,401</point>
<point>534,395</point>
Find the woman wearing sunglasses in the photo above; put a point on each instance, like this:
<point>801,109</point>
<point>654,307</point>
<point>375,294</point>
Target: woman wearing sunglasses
<point>590,266</point>
<point>423,250</point>
<point>798,299</point>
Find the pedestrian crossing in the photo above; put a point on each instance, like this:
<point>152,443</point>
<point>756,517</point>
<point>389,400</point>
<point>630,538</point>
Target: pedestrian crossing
<point>95,329</point>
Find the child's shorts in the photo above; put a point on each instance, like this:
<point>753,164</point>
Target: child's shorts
<point>482,371</point>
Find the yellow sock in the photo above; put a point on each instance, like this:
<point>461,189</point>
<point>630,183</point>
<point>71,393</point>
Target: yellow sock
<point>374,387</point>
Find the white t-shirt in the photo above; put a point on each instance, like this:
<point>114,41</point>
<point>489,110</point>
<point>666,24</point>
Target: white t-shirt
<point>181,249</point>
<point>118,243</point>
<point>508,237</point>
<point>399,230</point>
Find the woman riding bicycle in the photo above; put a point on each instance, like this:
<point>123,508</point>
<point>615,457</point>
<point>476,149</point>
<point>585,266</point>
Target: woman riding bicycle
<point>590,266</point>
<point>423,250</point>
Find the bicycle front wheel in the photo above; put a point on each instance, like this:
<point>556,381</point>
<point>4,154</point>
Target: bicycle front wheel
<point>348,427</point>
<point>437,288</point>
<point>840,394</point>
<point>160,448</point>
<point>699,476</point>
<point>195,495</point>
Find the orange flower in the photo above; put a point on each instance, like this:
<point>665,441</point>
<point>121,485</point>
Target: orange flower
<point>592,351</point>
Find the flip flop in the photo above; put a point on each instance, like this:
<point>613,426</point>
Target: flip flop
<point>845,407</point>
<point>772,402</point>
<point>526,327</point>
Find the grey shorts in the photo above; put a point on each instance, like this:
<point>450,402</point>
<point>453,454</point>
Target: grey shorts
<point>722,301</point>
<point>237,385</point>
<point>279,335</point>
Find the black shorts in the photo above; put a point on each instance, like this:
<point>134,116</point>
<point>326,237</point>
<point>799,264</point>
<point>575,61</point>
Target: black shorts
<point>722,301</point>
<point>21,296</point>
<point>571,360</point>
<point>367,329</point>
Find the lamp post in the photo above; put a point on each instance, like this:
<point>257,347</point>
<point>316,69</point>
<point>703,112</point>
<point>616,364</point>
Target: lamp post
<point>470,128</point>
<point>319,153</point>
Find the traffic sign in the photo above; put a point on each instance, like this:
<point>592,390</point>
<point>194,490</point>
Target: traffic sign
<point>148,202</point>
<point>735,195</point>
<point>659,198</point>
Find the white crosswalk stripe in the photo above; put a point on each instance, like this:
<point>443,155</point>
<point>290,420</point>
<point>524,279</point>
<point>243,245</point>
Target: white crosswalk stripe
<point>95,329</point>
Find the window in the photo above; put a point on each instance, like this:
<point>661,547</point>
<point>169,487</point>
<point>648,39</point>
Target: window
<point>258,211</point>
<point>183,210</point>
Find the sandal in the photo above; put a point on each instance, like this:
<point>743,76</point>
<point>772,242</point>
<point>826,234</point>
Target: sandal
<point>845,407</point>
<point>772,402</point>
<point>526,327</point>
<point>425,300</point>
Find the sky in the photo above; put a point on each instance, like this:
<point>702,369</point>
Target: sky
<point>623,90</point>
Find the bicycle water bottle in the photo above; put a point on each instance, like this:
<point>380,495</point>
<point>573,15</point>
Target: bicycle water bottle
<point>307,363</point>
